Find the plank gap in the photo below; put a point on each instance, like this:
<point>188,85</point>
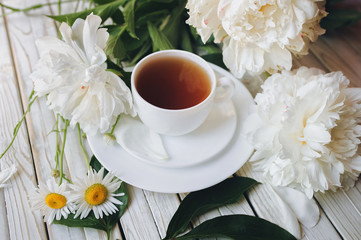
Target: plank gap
<point>250,204</point>
<point>120,227</point>
<point>46,230</point>
<point>153,217</point>
<point>328,218</point>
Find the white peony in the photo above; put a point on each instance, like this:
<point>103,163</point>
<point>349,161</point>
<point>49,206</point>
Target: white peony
<point>259,35</point>
<point>203,16</point>
<point>306,130</point>
<point>72,73</point>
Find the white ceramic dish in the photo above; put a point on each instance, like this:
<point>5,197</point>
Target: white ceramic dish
<point>203,143</point>
<point>227,151</point>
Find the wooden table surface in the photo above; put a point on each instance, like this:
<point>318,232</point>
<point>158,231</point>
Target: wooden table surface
<point>149,212</point>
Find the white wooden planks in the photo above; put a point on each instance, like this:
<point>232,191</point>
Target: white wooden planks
<point>23,34</point>
<point>334,60</point>
<point>148,213</point>
<point>162,206</point>
<point>22,223</point>
<point>264,202</point>
<point>137,222</point>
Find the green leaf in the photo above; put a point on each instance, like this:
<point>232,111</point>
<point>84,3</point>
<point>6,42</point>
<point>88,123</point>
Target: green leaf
<point>147,7</point>
<point>145,48</point>
<point>132,43</point>
<point>125,76</point>
<point>96,165</point>
<point>104,11</point>
<point>215,58</point>
<point>332,2</point>
<point>159,40</point>
<point>238,227</point>
<point>114,46</point>
<point>129,18</point>
<point>210,49</point>
<point>171,29</point>
<point>100,2</point>
<point>71,17</point>
<point>196,203</point>
<point>186,43</point>
<point>162,1</point>
<point>89,222</point>
<point>340,18</point>
<point>152,16</point>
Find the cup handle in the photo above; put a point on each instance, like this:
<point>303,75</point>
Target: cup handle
<point>224,90</point>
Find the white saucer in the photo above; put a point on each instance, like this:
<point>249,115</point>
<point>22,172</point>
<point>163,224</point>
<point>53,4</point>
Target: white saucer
<point>203,143</point>
<point>220,154</point>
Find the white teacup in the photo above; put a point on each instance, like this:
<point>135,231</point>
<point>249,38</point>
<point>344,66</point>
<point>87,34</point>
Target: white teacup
<point>162,105</point>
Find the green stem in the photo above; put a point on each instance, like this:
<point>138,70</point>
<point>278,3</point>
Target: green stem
<point>266,74</point>
<point>85,155</point>
<point>31,95</point>
<point>17,127</point>
<point>62,152</point>
<point>108,234</point>
<point>115,124</point>
<point>57,150</point>
<point>33,7</point>
<point>59,7</point>
<point>67,179</point>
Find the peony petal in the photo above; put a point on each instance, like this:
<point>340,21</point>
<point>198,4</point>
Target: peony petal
<point>355,163</point>
<point>95,54</point>
<point>277,59</point>
<point>203,16</point>
<point>240,58</point>
<point>286,215</point>
<point>51,44</point>
<point>6,174</point>
<point>138,140</point>
<point>305,209</point>
<point>73,37</point>
<point>316,133</point>
<point>353,94</point>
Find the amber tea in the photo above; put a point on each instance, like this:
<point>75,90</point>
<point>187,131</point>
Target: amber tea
<point>173,83</point>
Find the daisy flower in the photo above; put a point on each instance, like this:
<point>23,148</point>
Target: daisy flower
<point>96,193</point>
<point>52,200</point>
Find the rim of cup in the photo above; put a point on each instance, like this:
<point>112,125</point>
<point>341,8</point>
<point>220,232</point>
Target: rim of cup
<point>181,54</point>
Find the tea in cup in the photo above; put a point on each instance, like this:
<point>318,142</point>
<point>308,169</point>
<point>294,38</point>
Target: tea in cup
<point>174,91</point>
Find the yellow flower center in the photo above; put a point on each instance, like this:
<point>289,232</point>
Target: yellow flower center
<point>96,194</point>
<point>55,200</point>
<point>264,7</point>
